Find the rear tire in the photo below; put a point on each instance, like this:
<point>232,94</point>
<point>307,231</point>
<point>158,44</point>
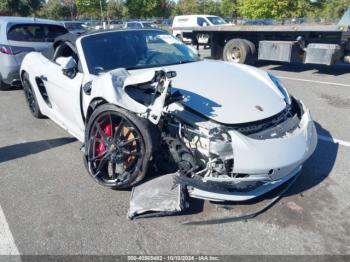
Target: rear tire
<point>31,97</point>
<point>237,51</point>
<point>109,162</point>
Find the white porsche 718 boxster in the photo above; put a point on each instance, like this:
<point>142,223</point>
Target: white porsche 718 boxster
<point>137,98</point>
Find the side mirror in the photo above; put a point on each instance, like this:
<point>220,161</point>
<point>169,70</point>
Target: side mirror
<point>68,65</point>
<point>205,24</point>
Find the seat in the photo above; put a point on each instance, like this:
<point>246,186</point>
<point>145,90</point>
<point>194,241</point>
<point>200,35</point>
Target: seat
<point>128,57</point>
<point>39,33</point>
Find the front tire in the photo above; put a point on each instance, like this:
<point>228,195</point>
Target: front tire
<point>30,97</point>
<point>118,147</point>
<point>173,156</point>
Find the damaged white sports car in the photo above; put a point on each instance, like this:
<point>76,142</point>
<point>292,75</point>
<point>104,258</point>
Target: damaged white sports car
<point>137,98</point>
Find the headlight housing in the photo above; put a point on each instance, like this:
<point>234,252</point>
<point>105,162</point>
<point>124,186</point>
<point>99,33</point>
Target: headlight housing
<point>281,88</point>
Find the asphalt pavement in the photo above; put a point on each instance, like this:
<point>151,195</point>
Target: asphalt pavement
<point>50,205</point>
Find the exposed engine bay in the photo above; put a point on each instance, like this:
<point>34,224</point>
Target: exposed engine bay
<point>205,153</point>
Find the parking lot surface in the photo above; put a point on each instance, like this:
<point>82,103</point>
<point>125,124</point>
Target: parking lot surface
<point>50,205</point>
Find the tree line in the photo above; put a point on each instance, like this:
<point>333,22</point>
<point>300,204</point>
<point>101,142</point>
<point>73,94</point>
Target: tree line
<point>249,9</point>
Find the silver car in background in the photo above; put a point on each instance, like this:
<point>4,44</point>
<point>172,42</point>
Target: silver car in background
<point>139,24</point>
<point>18,36</point>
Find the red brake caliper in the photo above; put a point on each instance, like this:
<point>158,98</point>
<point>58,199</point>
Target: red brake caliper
<point>108,131</point>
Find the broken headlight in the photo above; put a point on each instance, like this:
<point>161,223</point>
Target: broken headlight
<point>281,88</point>
<point>220,148</point>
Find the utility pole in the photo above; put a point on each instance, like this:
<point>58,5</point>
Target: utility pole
<point>101,11</point>
<point>102,18</point>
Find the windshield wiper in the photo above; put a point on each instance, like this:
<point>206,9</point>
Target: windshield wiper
<point>140,67</point>
<point>185,61</point>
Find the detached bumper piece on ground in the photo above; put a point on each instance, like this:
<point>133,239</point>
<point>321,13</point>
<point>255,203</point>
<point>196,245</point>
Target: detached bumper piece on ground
<point>160,196</point>
<point>167,195</point>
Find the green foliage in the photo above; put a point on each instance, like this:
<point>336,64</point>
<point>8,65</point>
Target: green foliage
<point>90,8</point>
<point>211,7</point>
<point>15,7</point>
<point>329,9</point>
<point>138,8</point>
<point>251,9</point>
<point>148,8</point>
<point>164,8</point>
<point>186,7</point>
<point>8,7</point>
<point>304,8</point>
<point>54,9</point>
<point>334,9</point>
<point>228,7</point>
<point>71,6</point>
<point>266,8</point>
<point>35,5</point>
<point>116,9</point>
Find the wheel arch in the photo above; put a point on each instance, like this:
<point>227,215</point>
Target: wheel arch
<point>93,105</point>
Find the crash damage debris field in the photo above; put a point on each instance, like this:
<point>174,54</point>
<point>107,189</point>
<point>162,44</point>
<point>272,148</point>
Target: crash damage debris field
<point>51,206</point>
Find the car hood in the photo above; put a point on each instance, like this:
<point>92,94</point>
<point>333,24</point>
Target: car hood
<point>226,92</point>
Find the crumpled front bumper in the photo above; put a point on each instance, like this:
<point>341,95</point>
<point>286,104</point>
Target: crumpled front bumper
<point>279,159</point>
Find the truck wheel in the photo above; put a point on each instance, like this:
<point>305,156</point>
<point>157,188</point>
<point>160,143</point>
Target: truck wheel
<point>118,147</point>
<point>253,54</point>
<point>237,51</point>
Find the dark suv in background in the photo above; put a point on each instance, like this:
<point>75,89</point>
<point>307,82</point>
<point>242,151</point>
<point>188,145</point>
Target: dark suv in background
<point>75,27</point>
<point>18,36</point>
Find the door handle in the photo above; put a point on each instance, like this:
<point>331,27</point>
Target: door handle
<point>42,77</point>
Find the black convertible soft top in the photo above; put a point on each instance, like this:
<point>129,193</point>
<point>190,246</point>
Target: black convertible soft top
<point>72,38</point>
<point>69,37</point>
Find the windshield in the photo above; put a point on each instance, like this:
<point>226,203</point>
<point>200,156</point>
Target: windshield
<point>215,20</point>
<point>134,50</point>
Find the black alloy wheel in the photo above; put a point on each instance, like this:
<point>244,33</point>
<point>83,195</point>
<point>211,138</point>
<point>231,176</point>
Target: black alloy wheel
<point>30,97</point>
<point>118,147</point>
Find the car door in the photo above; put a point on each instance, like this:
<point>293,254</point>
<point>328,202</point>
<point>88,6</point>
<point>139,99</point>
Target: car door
<point>64,91</point>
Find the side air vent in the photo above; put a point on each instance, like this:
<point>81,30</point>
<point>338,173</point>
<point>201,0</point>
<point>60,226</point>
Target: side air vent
<point>42,90</point>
